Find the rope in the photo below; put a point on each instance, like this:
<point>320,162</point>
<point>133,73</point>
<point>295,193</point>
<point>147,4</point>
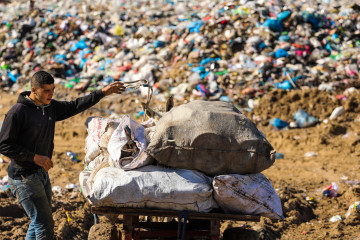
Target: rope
<point>148,99</point>
<point>138,83</point>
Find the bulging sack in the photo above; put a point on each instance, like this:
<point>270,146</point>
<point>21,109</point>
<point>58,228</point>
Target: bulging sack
<point>150,187</point>
<point>212,137</point>
<point>247,194</point>
<point>99,133</point>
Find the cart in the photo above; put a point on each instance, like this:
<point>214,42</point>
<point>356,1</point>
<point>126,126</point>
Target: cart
<point>189,224</point>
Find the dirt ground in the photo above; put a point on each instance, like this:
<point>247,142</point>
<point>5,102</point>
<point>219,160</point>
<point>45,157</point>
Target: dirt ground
<point>299,180</point>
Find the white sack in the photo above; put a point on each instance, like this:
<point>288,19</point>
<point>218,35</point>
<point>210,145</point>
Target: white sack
<point>152,187</point>
<point>250,194</point>
<point>83,180</point>
<point>119,139</point>
<point>99,132</point>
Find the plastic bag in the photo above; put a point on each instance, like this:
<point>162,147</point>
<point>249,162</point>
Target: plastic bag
<point>332,190</point>
<point>303,119</point>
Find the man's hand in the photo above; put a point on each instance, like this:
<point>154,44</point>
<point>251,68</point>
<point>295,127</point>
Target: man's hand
<point>115,87</point>
<point>43,161</point>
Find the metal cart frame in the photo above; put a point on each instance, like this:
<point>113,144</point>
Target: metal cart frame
<point>190,224</point>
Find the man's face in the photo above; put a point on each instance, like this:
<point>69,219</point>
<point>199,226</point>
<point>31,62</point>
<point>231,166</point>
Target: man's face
<point>43,94</point>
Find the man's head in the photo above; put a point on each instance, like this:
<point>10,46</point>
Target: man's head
<point>42,87</point>
<point>40,78</point>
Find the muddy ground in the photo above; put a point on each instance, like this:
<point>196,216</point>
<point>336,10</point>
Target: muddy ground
<point>336,158</point>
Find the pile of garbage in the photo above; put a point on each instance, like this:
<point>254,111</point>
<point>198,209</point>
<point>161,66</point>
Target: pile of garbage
<point>199,156</point>
<point>216,50</point>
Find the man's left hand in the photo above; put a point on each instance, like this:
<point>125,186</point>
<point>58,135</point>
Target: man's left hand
<point>115,87</point>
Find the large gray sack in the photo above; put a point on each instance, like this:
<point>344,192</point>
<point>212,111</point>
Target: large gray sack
<point>212,137</point>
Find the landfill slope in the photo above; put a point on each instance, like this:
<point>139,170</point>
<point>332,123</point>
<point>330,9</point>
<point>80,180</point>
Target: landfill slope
<point>294,177</point>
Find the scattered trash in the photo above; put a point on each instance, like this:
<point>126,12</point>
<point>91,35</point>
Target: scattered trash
<point>3,159</point>
<point>310,200</point>
<point>68,216</point>
<point>303,119</point>
<point>57,191</point>
<point>354,209</point>
<point>71,187</point>
<point>231,53</point>
<point>72,156</point>
<point>278,123</point>
<point>345,179</point>
<point>310,154</point>
<point>332,190</point>
<point>4,185</point>
<point>279,155</point>
<point>336,113</point>
<point>336,218</point>
<point>350,91</point>
<point>293,125</point>
<point>224,56</point>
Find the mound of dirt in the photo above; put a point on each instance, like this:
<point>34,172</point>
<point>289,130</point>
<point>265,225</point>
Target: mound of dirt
<point>283,104</point>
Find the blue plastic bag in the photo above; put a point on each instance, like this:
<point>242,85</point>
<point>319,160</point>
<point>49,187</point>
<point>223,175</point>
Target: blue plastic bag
<point>79,45</point>
<point>274,25</point>
<point>198,69</point>
<point>311,18</point>
<point>284,38</point>
<point>195,26</point>
<point>303,119</point>
<point>281,53</point>
<point>12,77</point>
<point>225,99</point>
<point>60,58</point>
<point>208,60</point>
<point>283,15</point>
<point>157,44</point>
<point>284,85</point>
<point>278,123</point>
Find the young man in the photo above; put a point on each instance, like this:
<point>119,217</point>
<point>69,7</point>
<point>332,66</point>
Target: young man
<point>27,138</point>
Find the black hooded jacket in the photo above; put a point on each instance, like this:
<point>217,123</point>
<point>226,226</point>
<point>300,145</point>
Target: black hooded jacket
<point>29,129</point>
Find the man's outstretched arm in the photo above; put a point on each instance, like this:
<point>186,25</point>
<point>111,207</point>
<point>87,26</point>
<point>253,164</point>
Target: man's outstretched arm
<point>66,109</point>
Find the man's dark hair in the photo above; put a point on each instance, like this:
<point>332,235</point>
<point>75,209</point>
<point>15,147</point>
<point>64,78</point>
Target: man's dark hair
<point>40,78</point>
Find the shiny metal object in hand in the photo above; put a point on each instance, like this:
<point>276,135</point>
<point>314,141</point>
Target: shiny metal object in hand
<point>136,83</point>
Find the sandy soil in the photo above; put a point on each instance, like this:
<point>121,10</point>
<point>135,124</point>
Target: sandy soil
<point>295,177</point>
